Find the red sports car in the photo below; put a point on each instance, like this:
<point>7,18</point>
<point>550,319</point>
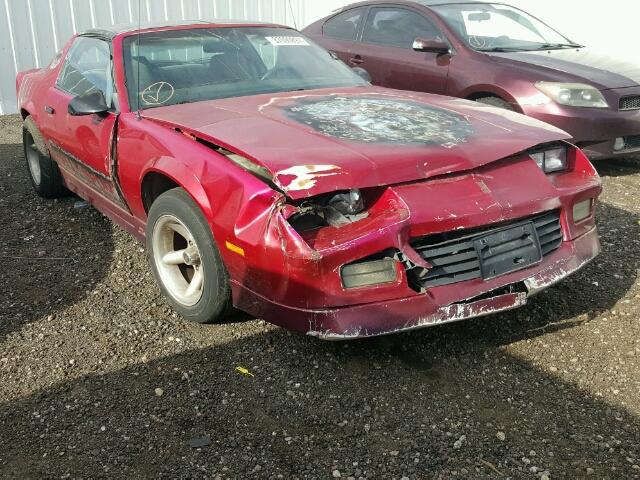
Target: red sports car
<point>263,174</point>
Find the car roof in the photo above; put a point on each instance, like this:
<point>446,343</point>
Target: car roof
<point>115,30</point>
<point>435,3</point>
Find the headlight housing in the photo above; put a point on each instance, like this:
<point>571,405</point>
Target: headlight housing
<point>573,94</point>
<point>335,209</point>
<point>553,159</point>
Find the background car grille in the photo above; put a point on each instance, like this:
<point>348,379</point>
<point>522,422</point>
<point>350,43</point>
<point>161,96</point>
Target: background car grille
<point>455,259</point>
<point>630,103</point>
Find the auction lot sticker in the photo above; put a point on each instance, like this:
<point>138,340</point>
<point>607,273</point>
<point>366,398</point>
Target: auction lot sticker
<point>288,41</point>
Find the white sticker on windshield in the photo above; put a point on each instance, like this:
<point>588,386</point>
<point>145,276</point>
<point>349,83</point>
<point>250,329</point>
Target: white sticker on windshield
<point>288,41</point>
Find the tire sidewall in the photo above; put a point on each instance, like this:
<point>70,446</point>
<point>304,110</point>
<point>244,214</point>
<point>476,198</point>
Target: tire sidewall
<point>216,292</point>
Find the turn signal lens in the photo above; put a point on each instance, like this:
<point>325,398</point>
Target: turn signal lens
<point>582,210</point>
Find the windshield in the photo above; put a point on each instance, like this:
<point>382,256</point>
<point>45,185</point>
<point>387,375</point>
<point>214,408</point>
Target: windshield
<point>497,27</point>
<point>183,66</point>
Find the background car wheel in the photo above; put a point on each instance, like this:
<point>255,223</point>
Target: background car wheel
<point>185,259</point>
<point>496,102</point>
<point>43,171</point>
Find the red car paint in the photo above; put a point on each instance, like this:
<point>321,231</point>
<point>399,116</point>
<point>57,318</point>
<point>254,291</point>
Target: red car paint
<point>471,74</point>
<point>475,173</point>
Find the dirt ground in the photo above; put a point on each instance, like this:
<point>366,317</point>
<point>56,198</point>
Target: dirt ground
<point>98,378</point>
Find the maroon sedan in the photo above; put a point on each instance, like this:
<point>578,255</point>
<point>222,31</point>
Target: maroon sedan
<point>495,54</point>
<point>263,174</point>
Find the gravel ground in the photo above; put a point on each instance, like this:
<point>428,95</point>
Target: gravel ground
<point>99,378</point>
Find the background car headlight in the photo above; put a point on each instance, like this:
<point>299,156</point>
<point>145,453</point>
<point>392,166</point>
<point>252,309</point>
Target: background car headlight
<point>573,94</point>
<point>551,160</point>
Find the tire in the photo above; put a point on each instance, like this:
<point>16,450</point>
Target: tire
<point>194,280</point>
<point>496,102</point>
<point>44,173</point>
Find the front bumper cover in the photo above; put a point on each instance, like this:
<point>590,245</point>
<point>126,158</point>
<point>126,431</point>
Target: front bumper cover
<point>390,317</point>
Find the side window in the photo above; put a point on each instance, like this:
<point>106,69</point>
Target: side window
<point>87,68</point>
<point>345,25</point>
<point>397,27</point>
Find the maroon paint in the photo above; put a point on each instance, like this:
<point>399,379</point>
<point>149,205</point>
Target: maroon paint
<point>292,279</point>
<point>468,73</point>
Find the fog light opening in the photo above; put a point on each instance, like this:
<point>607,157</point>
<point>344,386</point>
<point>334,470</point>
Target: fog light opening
<point>582,210</point>
<point>367,274</point>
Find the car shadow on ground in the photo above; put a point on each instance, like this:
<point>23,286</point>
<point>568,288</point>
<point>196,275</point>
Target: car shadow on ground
<point>418,410</point>
<point>619,167</point>
<point>52,253</point>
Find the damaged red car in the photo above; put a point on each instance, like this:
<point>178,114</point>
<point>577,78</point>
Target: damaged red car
<point>263,174</point>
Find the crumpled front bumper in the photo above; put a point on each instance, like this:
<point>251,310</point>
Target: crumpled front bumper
<point>390,317</point>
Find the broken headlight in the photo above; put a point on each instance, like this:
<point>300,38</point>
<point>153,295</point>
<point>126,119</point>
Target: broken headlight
<point>551,160</point>
<point>348,203</point>
<point>333,209</point>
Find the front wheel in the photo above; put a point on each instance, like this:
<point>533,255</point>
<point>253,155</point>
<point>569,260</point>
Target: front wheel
<point>496,102</point>
<point>185,259</point>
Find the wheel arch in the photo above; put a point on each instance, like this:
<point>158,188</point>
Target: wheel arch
<point>159,180</point>
<point>481,91</point>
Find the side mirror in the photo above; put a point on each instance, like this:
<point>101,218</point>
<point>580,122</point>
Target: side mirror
<point>434,45</point>
<point>88,104</point>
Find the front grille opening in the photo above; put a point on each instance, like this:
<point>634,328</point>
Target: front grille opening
<point>454,256</point>
<point>631,102</point>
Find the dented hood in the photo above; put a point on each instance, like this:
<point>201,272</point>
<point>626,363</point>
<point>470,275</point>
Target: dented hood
<point>320,141</point>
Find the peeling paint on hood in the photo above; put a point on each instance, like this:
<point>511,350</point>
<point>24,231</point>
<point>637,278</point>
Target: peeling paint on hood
<point>382,120</point>
<point>377,136</point>
<point>303,177</point>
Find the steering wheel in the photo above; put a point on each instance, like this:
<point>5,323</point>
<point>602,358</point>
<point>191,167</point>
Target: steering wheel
<point>278,71</point>
<point>478,42</point>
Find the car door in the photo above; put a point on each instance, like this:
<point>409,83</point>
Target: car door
<point>341,32</point>
<point>81,145</point>
<point>387,53</point>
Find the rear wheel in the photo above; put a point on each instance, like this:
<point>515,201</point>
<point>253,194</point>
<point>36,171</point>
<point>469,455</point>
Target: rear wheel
<point>185,259</point>
<point>496,102</point>
<point>43,171</point>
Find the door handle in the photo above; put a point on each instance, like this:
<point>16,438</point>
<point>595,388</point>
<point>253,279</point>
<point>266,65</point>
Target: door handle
<point>357,60</point>
<point>50,110</point>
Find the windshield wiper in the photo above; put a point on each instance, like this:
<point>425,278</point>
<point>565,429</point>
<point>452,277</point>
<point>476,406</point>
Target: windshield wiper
<point>502,49</point>
<point>548,46</point>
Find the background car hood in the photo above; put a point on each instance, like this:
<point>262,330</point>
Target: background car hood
<point>605,71</point>
<point>320,141</point>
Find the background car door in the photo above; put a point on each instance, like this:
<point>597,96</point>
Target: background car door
<point>340,33</point>
<point>82,145</point>
<point>386,51</point>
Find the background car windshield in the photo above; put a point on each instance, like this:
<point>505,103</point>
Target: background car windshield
<point>495,27</point>
<point>182,66</point>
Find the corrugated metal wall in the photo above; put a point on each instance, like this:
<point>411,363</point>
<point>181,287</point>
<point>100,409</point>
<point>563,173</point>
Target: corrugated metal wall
<point>32,31</point>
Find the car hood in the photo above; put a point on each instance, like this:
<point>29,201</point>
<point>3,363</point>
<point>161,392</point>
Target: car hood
<point>601,70</point>
<point>320,141</point>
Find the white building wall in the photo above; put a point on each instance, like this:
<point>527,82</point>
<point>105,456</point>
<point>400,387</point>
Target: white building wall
<point>32,31</point>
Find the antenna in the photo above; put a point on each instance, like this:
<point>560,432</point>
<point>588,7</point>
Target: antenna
<point>293,15</point>
<point>138,113</point>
